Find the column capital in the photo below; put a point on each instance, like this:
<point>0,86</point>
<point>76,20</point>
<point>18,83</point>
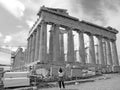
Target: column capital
<point>108,39</point>
<point>112,40</point>
<point>80,31</point>
<point>99,36</point>
<point>68,28</point>
<point>89,34</point>
<point>39,26</point>
<point>42,22</point>
<point>54,24</point>
<point>35,30</point>
<point>30,36</point>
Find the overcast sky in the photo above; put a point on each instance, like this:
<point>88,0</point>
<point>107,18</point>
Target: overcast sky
<point>17,16</point>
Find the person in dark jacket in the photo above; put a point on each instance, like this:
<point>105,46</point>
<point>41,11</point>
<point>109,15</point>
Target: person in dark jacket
<point>61,78</point>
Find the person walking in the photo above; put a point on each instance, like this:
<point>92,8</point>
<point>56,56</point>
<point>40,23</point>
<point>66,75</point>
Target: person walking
<point>61,78</point>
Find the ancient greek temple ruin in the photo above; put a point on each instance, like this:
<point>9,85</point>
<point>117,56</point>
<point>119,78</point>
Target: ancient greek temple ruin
<point>51,42</point>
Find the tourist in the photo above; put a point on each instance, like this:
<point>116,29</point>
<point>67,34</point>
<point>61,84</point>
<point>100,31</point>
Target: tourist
<point>61,78</point>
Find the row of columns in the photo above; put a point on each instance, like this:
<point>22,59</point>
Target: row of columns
<point>37,44</point>
<point>109,54</point>
<point>37,47</point>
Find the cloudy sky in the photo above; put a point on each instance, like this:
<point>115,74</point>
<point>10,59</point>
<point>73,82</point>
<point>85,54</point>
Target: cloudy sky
<point>17,16</point>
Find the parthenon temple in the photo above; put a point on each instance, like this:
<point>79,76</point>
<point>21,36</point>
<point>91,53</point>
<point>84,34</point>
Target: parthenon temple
<point>51,43</point>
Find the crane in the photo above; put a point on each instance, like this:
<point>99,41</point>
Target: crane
<point>8,48</point>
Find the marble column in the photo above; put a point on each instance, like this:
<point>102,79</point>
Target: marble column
<point>62,56</point>
<point>108,52</point>
<point>33,47</point>
<point>37,43</point>
<point>70,46</point>
<point>91,50</point>
<point>96,54</point>
<point>114,53</point>
<point>43,43</point>
<point>56,46</point>
<point>100,51</point>
<point>51,44</point>
<point>104,51</point>
<point>81,48</point>
<point>30,49</point>
<point>75,55</point>
<point>31,59</point>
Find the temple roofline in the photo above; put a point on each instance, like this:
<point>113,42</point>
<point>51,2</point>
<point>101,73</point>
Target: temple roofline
<point>97,26</point>
<point>61,12</point>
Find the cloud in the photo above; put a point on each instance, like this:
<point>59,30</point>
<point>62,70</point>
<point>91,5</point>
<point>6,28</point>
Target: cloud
<point>20,38</point>
<point>33,6</point>
<point>7,39</point>
<point>30,23</point>
<point>111,10</point>
<point>12,42</point>
<point>94,10</point>
<point>9,48</point>
<point>1,34</point>
<point>19,26</point>
<point>36,4</point>
<point>15,7</point>
<point>15,39</point>
<point>4,58</point>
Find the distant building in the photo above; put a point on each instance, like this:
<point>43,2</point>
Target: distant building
<point>18,59</point>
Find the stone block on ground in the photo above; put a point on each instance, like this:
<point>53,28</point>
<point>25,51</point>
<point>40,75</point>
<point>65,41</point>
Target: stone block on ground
<point>76,72</point>
<point>116,68</point>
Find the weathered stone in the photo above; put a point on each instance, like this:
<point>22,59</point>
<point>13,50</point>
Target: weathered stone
<point>56,45</point>
<point>62,56</point>
<point>51,45</point>
<point>70,45</point>
<point>33,47</point>
<point>109,56</point>
<point>43,42</point>
<point>114,54</point>
<point>37,43</point>
<point>91,50</point>
<point>30,55</point>
<point>81,48</point>
<point>100,51</point>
